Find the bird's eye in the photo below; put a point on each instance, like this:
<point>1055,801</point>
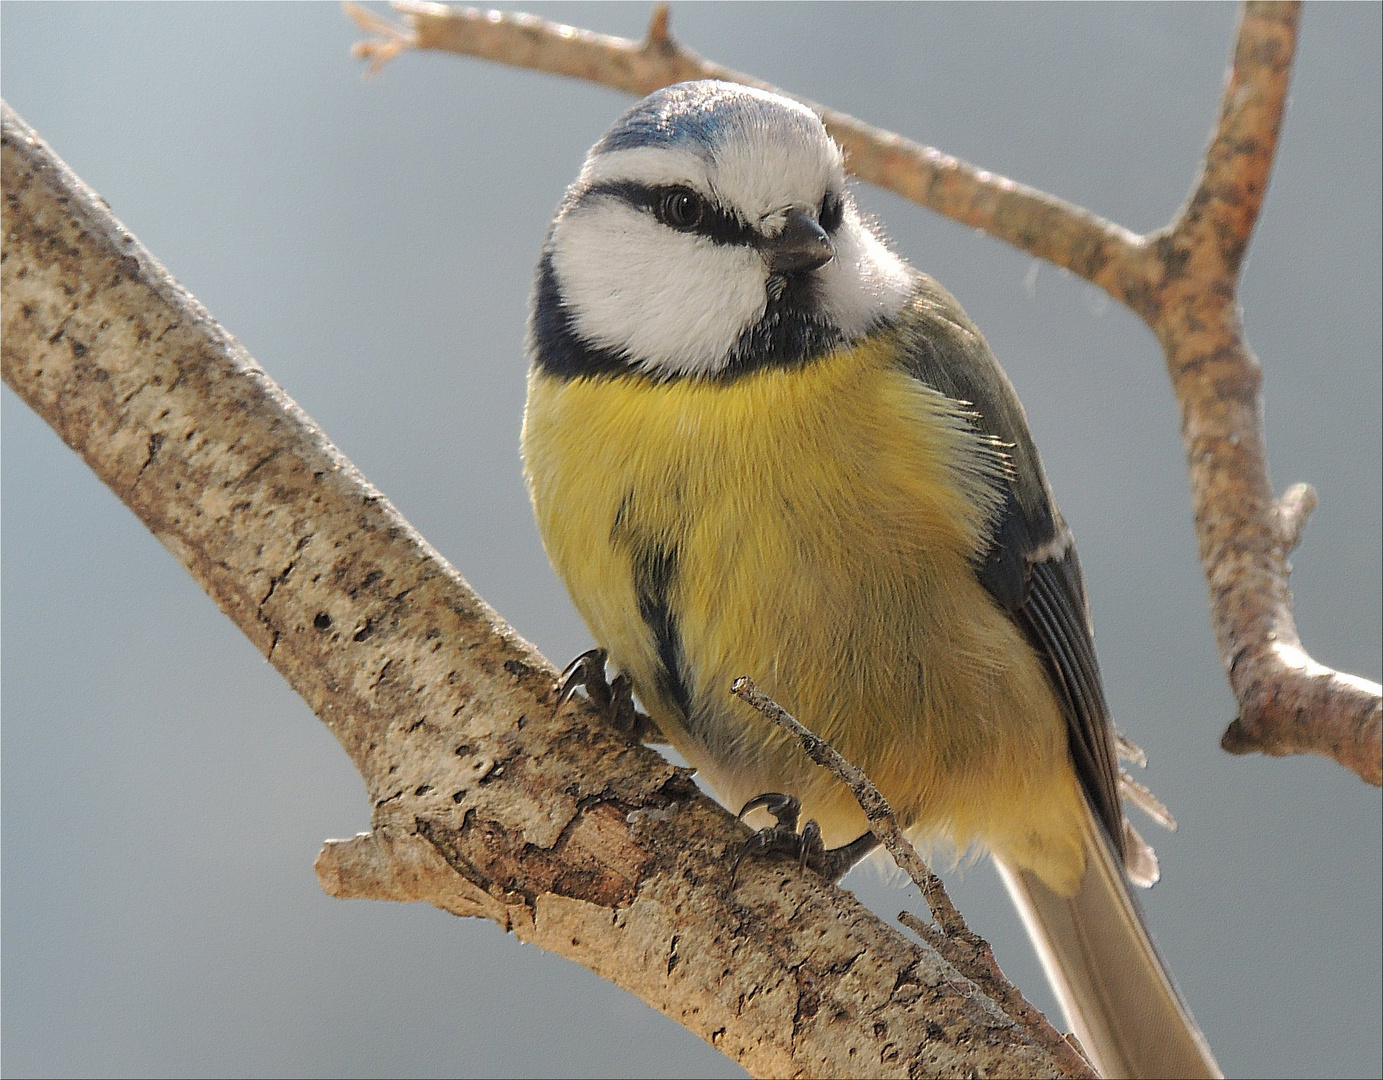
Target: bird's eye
<point>832,211</point>
<point>681,209</point>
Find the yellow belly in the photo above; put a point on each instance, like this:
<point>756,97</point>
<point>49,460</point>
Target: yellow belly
<point>814,528</point>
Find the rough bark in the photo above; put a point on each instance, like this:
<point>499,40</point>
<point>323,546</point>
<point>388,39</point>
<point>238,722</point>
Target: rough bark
<point>1181,280</point>
<point>486,801</point>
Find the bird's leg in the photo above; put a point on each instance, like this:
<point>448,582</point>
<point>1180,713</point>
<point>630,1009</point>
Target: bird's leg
<point>614,699</point>
<point>806,846</point>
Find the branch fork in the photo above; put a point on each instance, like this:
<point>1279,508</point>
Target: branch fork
<point>1182,280</point>
<point>486,803</point>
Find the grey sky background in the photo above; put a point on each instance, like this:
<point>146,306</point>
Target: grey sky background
<point>372,244</point>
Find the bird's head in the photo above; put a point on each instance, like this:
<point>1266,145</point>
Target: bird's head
<point>710,233</point>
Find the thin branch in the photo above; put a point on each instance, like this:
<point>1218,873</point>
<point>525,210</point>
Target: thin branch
<point>484,799</point>
<point>969,953</point>
<point>1227,197</point>
<point>1182,280</point>
<point>882,822</point>
<point>1033,220</point>
<point>1288,703</point>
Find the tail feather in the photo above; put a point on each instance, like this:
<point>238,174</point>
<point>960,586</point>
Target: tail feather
<point>1112,983</point>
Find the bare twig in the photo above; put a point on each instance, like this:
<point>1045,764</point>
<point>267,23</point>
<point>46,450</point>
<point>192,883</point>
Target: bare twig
<point>390,40</point>
<point>484,801</point>
<point>1288,703</point>
<point>1033,220</point>
<point>882,822</point>
<point>969,953</point>
<point>1182,280</point>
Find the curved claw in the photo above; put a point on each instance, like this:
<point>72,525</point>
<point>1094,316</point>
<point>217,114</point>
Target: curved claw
<point>587,670</point>
<point>782,836</point>
<point>615,698</point>
<point>784,808</point>
<point>756,843</point>
<point>807,847</point>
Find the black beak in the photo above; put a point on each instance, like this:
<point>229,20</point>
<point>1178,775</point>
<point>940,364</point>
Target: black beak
<point>802,245</point>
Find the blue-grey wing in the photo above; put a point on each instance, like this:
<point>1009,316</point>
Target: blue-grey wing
<point>1030,566</point>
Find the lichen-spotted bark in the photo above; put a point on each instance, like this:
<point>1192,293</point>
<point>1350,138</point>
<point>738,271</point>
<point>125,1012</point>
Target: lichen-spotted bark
<point>485,800</point>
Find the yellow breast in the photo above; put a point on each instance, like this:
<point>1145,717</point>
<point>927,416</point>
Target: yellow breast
<point>810,527</point>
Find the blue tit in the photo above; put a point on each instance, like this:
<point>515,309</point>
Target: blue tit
<point>760,443</point>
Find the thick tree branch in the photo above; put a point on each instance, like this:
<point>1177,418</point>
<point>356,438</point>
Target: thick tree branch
<point>1182,280</point>
<point>486,800</point>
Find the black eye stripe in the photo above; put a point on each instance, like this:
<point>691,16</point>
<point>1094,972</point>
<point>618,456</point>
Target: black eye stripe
<point>832,212</point>
<point>716,223</point>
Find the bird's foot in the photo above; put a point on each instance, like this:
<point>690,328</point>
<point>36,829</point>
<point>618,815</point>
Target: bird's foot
<point>614,699</point>
<point>806,846</point>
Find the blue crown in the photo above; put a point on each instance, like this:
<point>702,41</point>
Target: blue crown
<point>699,116</point>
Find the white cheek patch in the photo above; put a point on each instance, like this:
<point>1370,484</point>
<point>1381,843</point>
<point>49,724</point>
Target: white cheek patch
<point>865,282</point>
<point>675,303</point>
